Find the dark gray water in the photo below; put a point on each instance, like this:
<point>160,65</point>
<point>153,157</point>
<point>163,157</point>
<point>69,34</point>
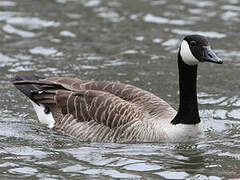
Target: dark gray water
<point>133,42</point>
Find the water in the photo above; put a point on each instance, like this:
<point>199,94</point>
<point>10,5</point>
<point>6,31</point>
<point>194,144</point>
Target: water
<point>133,42</point>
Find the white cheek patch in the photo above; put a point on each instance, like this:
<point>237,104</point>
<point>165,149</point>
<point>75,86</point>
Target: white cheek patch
<point>187,55</point>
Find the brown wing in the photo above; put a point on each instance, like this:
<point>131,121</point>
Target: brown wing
<point>148,101</point>
<point>92,115</point>
<point>87,105</point>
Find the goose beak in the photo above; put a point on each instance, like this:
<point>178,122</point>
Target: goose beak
<point>210,56</point>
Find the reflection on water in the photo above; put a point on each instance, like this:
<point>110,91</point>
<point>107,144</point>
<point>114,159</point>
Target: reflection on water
<point>129,41</point>
<point>12,30</point>
<point>45,51</point>
<point>31,23</point>
<point>161,20</point>
<point>209,34</point>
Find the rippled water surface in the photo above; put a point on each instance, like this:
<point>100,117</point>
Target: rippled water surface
<point>133,42</point>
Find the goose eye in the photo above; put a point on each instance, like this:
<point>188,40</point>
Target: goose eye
<point>193,43</point>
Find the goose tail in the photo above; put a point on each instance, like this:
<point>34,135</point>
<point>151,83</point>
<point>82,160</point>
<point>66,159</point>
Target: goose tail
<point>28,84</point>
<point>22,83</point>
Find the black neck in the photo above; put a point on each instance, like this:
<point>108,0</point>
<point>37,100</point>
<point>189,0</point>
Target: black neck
<point>188,108</point>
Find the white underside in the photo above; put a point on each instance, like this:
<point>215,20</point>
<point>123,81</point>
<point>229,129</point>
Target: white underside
<point>42,116</point>
<point>181,132</point>
<point>161,129</point>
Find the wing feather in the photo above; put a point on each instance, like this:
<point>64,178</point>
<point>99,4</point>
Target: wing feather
<point>102,107</point>
<point>93,132</point>
<point>151,103</point>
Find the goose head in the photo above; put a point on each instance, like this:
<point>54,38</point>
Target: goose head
<point>195,49</point>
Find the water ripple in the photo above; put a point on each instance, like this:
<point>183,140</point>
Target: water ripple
<point>149,18</point>
<point>231,8</point>
<point>12,30</point>
<point>92,3</point>
<point>73,168</point>
<point>45,51</point>
<point>210,34</point>
<point>24,170</point>
<point>171,42</point>
<point>109,14</point>
<point>201,4</point>
<point>5,15</point>
<point>67,34</point>
<point>5,58</point>
<point>142,167</point>
<point>172,175</point>
<point>7,3</point>
<point>230,16</point>
<point>32,22</point>
<point>130,41</point>
<point>235,113</point>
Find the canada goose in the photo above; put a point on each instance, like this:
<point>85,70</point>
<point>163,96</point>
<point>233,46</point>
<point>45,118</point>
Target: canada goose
<point>113,112</point>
